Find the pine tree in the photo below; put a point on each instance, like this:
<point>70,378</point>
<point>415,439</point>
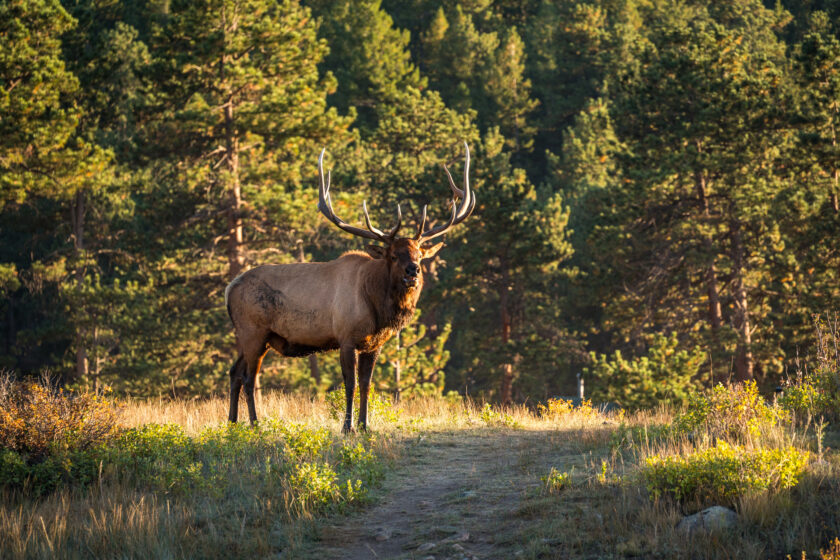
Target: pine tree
<point>243,102</point>
<point>413,363</point>
<point>368,56</point>
<point>47,158</point>
<point>509,93</point>
<point>505,262</point>
<point>700,115</point>
<point>39,154</point>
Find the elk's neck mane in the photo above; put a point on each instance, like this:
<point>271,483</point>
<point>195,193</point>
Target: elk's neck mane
<point>392,303</point>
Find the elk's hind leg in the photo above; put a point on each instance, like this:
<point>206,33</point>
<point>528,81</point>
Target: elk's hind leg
<point>237,376</point>
<point>253,353</point>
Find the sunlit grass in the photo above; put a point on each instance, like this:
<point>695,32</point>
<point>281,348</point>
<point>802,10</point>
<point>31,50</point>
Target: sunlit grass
<point>252,517</point>
<point>112,518</point>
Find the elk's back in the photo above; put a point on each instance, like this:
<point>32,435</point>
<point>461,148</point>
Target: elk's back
<point>318,305</point>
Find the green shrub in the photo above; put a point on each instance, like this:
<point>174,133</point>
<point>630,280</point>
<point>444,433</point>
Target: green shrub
<point>380,407</point>
<point>314,485</point>
<point>317,469</point>
<point>39,419</point>
<point>360,462</point>
<point>664,375</point>
<point>735,413</point>
<point>722,474</point>
<point>557,409</point>
<point>493,418</point>
<point>629,437</point>
<point>51,437</point>
<point>555,481</point>
<point>161,456</point>
<point>815,391</point>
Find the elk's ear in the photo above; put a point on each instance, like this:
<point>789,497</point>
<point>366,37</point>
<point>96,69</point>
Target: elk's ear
<point>376,251</point>
<point>430,252</point>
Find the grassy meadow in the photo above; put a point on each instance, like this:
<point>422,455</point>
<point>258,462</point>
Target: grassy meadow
<point>445,476</point>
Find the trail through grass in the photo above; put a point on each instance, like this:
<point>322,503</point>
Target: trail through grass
<point>461,481</point>
<point>456,494</point>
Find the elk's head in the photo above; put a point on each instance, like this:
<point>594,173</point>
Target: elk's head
<point>403,254</point>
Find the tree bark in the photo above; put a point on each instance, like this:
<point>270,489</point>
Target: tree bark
<point>78,222</point>
<point>235,246</point>
<point>743,355</point>
<point>714,311</point>
<point>506,388</point>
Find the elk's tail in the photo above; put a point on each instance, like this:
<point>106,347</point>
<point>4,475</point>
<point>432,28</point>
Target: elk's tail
<point>229,287</point>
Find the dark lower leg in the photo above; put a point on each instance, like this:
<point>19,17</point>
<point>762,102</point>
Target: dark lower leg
<point>235,385</point>
<point>250,383</point>
<point>366,363</point>
<point>348,371</point>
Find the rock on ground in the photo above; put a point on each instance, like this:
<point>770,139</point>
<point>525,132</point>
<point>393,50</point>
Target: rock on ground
<point>715,518</point>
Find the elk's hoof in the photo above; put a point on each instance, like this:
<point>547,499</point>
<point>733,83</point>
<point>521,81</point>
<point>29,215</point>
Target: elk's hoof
<point>348,430</point>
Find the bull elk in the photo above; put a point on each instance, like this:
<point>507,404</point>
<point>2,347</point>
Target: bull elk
<point>353,304</point>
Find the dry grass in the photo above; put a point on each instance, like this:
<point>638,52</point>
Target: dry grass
<point>195,414</point>
<point>117,521</point>
<point>605,513</point>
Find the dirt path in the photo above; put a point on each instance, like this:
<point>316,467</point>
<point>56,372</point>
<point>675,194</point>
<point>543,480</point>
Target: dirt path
<point>456,496</point>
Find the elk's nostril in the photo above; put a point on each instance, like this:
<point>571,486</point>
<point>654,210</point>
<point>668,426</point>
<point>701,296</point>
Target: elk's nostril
<point>412,269</point>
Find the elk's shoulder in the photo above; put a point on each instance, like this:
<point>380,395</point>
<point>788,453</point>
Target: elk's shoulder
<point>356,255</point>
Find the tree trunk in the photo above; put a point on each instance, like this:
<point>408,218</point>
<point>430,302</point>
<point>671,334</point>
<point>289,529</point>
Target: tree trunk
<point>235,246</point>
<point>97,362</point>
<point>78,222</point>
<point>10,323</point>
<point>506,389</point>
<point>743,354</point>
<point>714,311</point>
<point>835,204</point>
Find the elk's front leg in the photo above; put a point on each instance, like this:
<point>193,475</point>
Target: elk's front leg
<point>348,371</point>
<point>366,363</point>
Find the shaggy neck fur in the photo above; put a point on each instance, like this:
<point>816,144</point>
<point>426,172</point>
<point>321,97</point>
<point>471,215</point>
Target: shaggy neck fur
<point>392,301</point>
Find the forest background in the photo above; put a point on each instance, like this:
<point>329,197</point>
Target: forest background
<point>657,185</point>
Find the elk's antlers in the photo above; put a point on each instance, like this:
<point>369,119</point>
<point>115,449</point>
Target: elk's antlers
<point>325,206</point>
<point>459,213</point>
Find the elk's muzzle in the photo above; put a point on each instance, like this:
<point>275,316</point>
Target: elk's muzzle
<point>412,271</point>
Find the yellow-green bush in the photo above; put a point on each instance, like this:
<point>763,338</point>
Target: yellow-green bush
<point>735,413</point>
<point>556,409</point>
<point>723,473</point>
<point>813,394</point>
<point>380,407</point>
<point>494,418</point>
<point>315,467</point>
<point>39,419</point>
<point>555,481</point>
<point>815,391</point>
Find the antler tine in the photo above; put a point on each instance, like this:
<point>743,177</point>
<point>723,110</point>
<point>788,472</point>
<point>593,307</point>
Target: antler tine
<point>422,225</point>
<point>458,192</point>
<point>325,206</point>
<point>393,233</point>
<point>459,213</point>
<point>367,221</point>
